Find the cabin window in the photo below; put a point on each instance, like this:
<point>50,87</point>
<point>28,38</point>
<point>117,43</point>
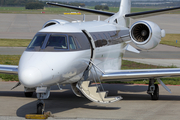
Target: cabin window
<point>72,44</point>
<point>98,42</point>
<point>37,41</point>
<point>57,41</point>
<point>94,37</point>
<point>104,40</point>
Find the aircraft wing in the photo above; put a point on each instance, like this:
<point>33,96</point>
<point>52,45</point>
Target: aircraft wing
<point>9,69</point>
<point>131,15</point>
<point>127,75</point>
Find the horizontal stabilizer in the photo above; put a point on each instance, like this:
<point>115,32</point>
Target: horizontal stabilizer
<point>151,13</point>
<point>82,9</point>
<point>130,15</point>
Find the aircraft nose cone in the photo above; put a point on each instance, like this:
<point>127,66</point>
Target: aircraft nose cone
<point>30,77</point>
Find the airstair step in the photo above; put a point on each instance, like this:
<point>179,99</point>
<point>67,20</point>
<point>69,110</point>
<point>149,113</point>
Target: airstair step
<point>93,93</point>
<point>99,96</point>
<point>93,89</point>
<point>113,99</point>
<point>85,85</point>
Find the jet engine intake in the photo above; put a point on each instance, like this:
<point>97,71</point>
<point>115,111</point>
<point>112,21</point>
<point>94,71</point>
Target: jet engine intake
<point>146,35</point>
<point>54,22</point>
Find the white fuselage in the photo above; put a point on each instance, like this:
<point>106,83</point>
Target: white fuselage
<point>45,68</point>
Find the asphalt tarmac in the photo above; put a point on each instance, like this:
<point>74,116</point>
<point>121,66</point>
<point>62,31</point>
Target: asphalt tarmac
<point>64,105</point>
<point>136,104</point>
<point>25,26</point>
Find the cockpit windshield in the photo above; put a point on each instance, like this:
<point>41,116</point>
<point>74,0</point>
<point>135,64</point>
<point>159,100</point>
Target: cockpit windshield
<point>57,41</point>
<point>37,41</point>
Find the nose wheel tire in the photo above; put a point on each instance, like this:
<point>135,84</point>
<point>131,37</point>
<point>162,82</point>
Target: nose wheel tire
<point>40,108</point>
<point>28,94</point>
<point>155,95</point>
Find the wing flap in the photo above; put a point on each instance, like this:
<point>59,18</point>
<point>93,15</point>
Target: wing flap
<point>126,75</point>
<point>9,69</point>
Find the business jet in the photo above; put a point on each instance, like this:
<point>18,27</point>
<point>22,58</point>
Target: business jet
<point>84,54</point>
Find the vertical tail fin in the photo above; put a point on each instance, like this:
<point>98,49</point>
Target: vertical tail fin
<point>125,8</point>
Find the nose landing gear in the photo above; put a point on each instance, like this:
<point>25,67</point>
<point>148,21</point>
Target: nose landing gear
<point>42,94</point>
<point>153,89</point>
<point>40,107</point>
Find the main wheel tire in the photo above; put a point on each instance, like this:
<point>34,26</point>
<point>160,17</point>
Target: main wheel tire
<point>40,108</point>
<point>155,95</point>
<point>28,94</point>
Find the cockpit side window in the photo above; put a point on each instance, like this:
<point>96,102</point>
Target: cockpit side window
<point>57,41</point>
<point>37,41</point>
<point>72,44</point>
<point>77,43</point>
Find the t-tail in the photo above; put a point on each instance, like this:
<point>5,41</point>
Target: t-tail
<point>122,17</point>
<point>119,17</point>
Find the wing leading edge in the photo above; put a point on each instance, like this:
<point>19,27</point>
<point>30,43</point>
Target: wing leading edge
<point>127,75</point>
<point>9,69</point>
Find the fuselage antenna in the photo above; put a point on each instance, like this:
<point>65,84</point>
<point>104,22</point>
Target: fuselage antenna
<point>99,18</point>
<point>84,18</point>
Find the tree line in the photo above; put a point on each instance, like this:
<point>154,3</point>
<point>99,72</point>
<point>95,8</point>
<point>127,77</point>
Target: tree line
<point>24,2</point>
<point>87,3</point>
<point>15,2</point>
<point>101,7</point>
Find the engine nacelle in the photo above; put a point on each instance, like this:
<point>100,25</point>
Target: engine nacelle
<point>54,22</point>
<point>146,35</point>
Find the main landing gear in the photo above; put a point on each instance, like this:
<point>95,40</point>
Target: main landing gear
<point>153,89</point>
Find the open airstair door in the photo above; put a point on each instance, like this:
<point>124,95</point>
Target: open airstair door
<point>92,44</point>
<point>94,92</point>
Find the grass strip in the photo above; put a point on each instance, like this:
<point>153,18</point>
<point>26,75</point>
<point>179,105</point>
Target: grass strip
<point>14,42</point>
<point>171,39</point>
<point>9,60</point>
<point>14,60</point>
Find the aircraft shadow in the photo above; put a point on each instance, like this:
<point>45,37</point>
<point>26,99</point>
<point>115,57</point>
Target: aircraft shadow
<point>60,102</point>
<point>63,101</point>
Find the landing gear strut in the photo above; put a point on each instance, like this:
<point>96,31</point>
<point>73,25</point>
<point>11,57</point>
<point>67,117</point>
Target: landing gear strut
<point>153,89</point>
